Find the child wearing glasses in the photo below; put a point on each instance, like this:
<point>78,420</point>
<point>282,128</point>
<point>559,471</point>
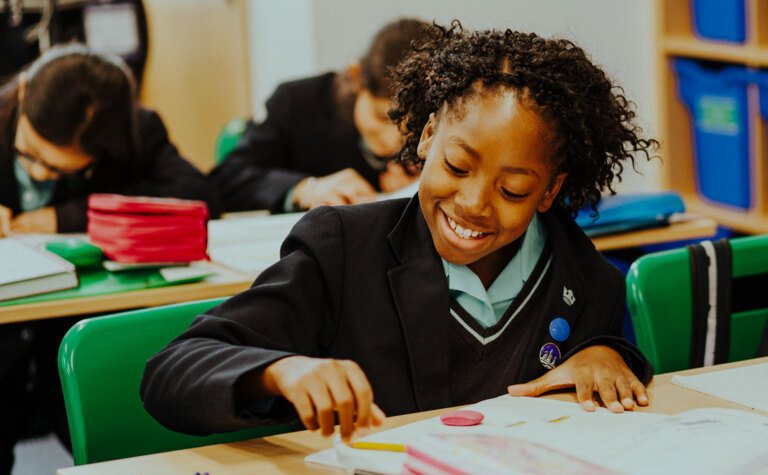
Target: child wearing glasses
<point>69,127</point>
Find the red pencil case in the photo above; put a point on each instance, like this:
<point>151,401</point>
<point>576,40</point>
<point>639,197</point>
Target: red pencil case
<point>137,229</point>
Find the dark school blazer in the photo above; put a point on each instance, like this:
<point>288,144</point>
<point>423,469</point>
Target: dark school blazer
<point>305,133</point>
<point>159,171</point>
<point>365,283</point>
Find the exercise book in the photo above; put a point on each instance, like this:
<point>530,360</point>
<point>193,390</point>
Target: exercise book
<point>548,436</point>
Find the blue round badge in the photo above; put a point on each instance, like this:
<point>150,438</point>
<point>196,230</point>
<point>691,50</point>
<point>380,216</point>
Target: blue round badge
<point>549,355</point>
<point>559,329</point>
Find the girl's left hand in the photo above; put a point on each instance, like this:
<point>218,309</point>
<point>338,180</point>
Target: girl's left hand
<point>395,178</point>
<point>41,220</point>
<point>596,369</point>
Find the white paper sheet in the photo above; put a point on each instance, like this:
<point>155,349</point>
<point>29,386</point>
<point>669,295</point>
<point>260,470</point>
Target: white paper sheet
<point>700,441</point>
<point>746,385</point>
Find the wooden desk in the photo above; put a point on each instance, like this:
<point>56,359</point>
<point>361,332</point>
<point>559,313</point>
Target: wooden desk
<point>694,228</point>
<point>285,453</point>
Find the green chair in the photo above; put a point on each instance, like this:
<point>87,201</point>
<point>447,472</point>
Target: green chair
<point>101,361</point>
<point>228,137</point>
<point>659,299</point>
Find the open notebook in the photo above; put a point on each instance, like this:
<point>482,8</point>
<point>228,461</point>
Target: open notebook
<point>529,435</point>
<point>26,269</point>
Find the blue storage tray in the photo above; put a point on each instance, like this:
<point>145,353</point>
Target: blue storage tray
<point>716,97</point>
<point>721,20</point>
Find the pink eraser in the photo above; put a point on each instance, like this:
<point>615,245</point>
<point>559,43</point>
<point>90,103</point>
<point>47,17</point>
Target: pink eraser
<point>463,417</point>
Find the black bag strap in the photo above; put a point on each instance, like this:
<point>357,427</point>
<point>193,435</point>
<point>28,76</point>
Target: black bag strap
<point>724,262</point>
<point>711,288</point>
<point>699,264</point>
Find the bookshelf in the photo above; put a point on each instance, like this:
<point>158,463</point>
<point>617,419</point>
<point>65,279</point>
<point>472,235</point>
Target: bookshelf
<point>676,38</point>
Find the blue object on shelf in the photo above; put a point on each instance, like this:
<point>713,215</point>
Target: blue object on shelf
<point>722,20</point>
<point>716,96</point>
<point>626,212</point>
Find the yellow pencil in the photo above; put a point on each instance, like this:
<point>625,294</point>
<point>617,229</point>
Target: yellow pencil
<point>378,446</point>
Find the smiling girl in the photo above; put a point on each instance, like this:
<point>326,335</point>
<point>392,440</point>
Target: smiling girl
<point>480,285</point>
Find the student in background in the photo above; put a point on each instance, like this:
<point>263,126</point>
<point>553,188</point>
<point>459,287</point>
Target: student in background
<point>327,140</point>
<point>480,285</point>
<point>70,126</point>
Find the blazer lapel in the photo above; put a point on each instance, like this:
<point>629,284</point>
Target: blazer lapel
<point>420,293</point>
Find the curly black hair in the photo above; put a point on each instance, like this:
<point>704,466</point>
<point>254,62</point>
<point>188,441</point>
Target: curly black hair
<point>589,115</point>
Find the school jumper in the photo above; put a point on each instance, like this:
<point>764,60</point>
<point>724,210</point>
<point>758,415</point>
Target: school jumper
<point>365,283</point>
<point>158,170</point>
<point>306,133</point>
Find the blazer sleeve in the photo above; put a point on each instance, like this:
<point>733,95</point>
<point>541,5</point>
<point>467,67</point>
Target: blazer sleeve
<point>159,171</point>
<point>291,308</point>
<point>257,174</point>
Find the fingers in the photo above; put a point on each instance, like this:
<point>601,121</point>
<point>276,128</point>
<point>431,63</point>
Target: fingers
<point>606,387</point>
<point>322,389</point>
<point>341,188</point>
<point>342,399</point>
<point>640,392</point>
<point>324,407</point>
<point>362,392</point>
<point>625,393</point>
<point>304,408</point>
<point>377,415</point>
<point>584,393</point>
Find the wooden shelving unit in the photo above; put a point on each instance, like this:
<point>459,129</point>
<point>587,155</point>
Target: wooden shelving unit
<point>675,38</point>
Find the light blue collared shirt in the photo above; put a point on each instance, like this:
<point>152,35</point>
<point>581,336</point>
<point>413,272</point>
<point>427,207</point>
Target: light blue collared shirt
<point>487,307</point>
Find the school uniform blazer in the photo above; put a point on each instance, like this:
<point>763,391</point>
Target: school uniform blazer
<point>158,170</point>
<point>365,283</point>
<point>305,133</point>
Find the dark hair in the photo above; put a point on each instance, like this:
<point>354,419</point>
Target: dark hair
<point>590,117</point>
<point>390,45</point>
<point>75,96</point>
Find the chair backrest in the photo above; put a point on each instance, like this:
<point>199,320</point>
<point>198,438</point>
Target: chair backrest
<point>228,137</point>
<point>101,361</point>
<point>660,304</point>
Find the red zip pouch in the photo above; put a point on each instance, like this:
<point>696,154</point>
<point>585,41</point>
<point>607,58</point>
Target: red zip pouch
<point>138,229</point>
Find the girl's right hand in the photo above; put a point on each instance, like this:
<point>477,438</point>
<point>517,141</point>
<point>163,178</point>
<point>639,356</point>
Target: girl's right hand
<point>319,387</point>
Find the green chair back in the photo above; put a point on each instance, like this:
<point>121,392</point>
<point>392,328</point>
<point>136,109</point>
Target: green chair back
<point>101,361</point>
<point>228,137</point>
<point>659,299</point>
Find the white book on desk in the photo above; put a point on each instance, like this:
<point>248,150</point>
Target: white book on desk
<point>560,437</point>
<point>29,270</point>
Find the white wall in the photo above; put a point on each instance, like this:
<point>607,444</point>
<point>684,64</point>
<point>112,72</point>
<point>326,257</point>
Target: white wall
<point>299,37</point>
<point>281,37</point>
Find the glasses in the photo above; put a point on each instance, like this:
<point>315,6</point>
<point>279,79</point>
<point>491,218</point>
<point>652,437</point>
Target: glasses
<point>32,160</point>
